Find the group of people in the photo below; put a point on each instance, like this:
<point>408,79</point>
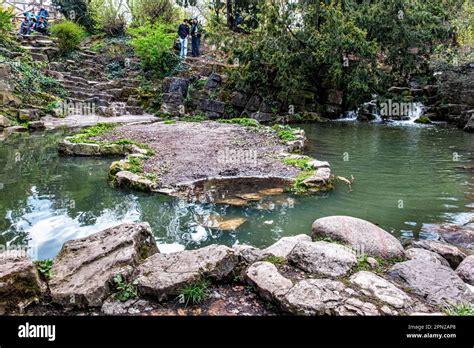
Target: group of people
<point>34,22</point>
<point>190,28</point>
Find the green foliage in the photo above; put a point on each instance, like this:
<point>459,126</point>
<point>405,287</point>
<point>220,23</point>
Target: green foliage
<point>302,163</point>
<point>248,122</point>
<point>33,86</point>
<point>69,35</point>
<point>276,260</point>
<point>109,17</point>
<point>78,11</point>
<point>90,132</point>
<point>125,290</point>
<point>6,16</point>
<point>299,186</point>
<point>44,268</point>
<point>153,11</point>
<point>115,70</point>
<point>285,133</point>
<point>463,310</point>
<point>153,45</point>
<point>280,58</point>
<point>195,293</point>
<point>135,164</point>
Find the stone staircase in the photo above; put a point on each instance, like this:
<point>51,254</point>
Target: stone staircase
<point>84,78</point>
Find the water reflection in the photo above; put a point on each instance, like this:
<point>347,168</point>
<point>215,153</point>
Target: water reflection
<point>46,199</point>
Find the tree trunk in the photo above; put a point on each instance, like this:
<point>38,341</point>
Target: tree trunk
<point>230,15</point>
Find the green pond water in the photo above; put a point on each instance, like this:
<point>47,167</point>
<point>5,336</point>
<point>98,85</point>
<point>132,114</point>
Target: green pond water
<point>406,177</point>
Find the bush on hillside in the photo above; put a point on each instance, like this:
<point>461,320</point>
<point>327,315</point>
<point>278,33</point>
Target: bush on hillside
<point>69,35</point>
<point>153,45</point>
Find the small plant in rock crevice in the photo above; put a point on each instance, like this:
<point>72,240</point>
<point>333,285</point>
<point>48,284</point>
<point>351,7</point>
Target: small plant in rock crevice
<point>195,293</point>
<point>125,290</point>
<point>44,268</point>
<point>276,260</point>
<point>461,310</point>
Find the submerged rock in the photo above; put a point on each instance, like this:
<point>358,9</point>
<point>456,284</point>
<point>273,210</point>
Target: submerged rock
<point>20,284</point>
<point>466,270</point>
<point>215,221</point>
<point>267,281</point>
<point>452,254</point>
<point>84,268</point>
<point>375,286</point>
<point>285,245</point>
<point>163,275</point>
<point>326,259</point>
<point>438,284</point>
<point>426,255</point>
<point>362,235</point>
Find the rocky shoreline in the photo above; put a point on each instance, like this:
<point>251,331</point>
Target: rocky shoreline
<point>223,162</point>
<point>347,267</point>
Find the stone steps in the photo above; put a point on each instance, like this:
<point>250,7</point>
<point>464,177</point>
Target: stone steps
<point>84,78</point>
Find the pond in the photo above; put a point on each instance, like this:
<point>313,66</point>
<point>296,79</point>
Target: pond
<point>405,177</point>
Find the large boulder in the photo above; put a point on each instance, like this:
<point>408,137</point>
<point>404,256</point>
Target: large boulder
<point>438,284</point>
<point>267,281</point>
<point>452,254</point>
<point>466,270</point>
<point>322,258</point>
<point>19,282</point>
<point>247,254</point>
<point>163,275</point>
<point>426,255</point>
<point>285,245</point>
<point>460,236</point>
<point>374,286</point>
<point>362,235</point>
<point>325,297</point>
<point>176,85</point>
<point>83,270</point>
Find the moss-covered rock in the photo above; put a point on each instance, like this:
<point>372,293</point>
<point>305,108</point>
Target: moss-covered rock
<point>20,284</point>
<point>423,120</point>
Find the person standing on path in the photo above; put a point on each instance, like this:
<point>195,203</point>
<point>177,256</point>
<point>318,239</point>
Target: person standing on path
<point>183,33</point>
<point>195,37</point>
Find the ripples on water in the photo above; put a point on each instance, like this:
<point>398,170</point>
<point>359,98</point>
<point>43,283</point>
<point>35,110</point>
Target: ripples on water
<point>405,177</point>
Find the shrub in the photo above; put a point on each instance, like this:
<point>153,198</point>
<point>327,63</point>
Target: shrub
<point>6,17</point>
<point>109,17</point>
<point>144,11</point>
<point>153,45</point>
<point>69,35</point>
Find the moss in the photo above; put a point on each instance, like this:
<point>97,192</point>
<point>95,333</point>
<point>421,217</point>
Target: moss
<point>276,260</point>
<point>302,163</point>
<point>285,133</point>
<point>248,122</point>
<point>423,120</point>
<point>299,186</point>
<point>463,310</point>
<point>86,137</point>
